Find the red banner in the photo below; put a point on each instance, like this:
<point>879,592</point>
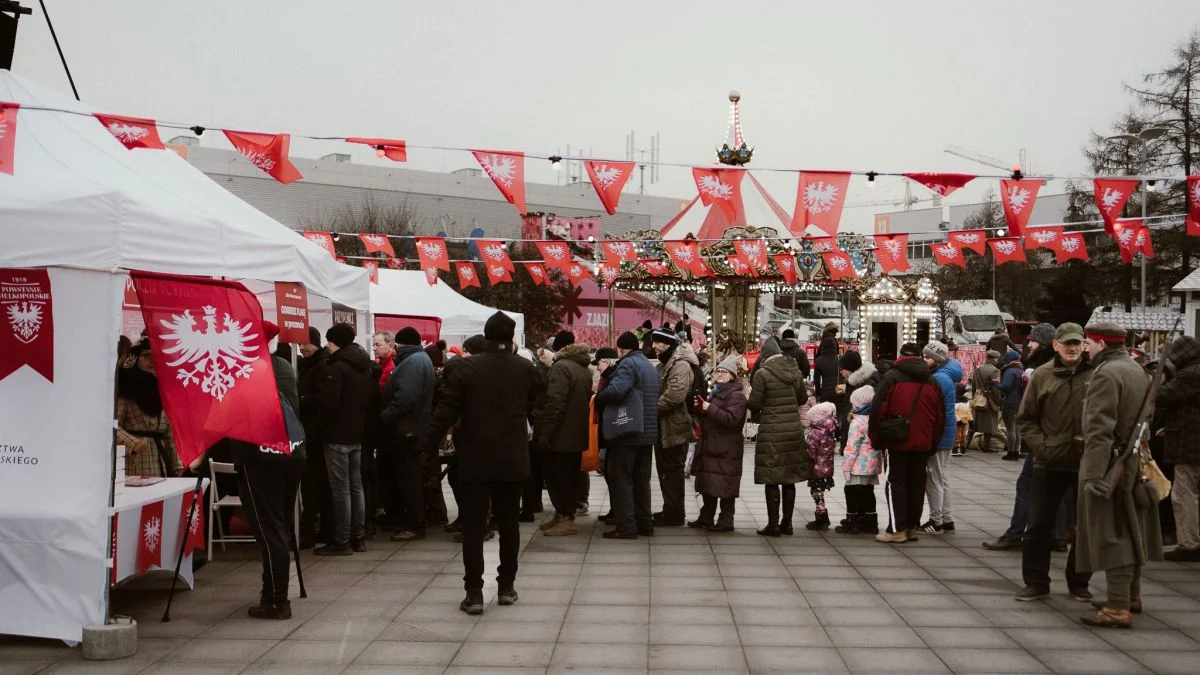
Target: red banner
<point>942,183</point>
<point>1019,197</point>
<point>507,171</point>
<point>214,369</point>
<point>576,273</point>
<point>1046,236</point>
<point>375,243</point>
<point>786,262</point>
<point>132,132</point>
<point>537,272</point>
<point>753,252</point>
<point>741,267</point>
<point>394,149</point>
<point>27,337</point>
<point>191,522</point>
<point>268,152</point>
<point>1111,195</point>
<point>467,276</point>
<point>430,327</point>
<point>891,250</point>
<point>839,265</point>
<point>1007,249</point>
<point>497,273</point>
<point>494,252</point>
<point>619,251</point>
<point>823,244</point>
<point>609,179</point>
<point>819,201</point>
<point>975,240</point>
<point>8,135</point>
<point>949,254</point>
<point>655,267</point>
<point>433,253</point>
<point>686,257</point>
<point>372,268</point>
<point>609,275</point>
<point>291,312</point>
<point>721,187</point>
<point>1070,246</point>
<point>1193,194</point>
<point>322,239</point>
<point>557,254</point>
<point>150,536</point>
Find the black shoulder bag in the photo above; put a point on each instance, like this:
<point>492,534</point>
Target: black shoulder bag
<point>895,429</point>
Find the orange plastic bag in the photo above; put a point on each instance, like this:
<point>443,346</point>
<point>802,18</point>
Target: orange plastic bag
<point>591,456</point>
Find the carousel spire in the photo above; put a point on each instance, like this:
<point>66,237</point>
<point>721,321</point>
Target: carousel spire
<point>735,152</point>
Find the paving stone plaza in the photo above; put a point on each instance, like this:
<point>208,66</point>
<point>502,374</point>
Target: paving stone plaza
<point>682,601</point>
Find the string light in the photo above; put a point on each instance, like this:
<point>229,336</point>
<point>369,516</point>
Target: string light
<point>380,151</point>
<point>1150,186</point>
<point>871,179</point>
<point>555,162</point>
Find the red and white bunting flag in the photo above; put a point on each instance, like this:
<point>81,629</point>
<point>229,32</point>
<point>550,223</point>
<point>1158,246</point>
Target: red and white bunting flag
<point>431,275</point>
<point>322,239</point>
<point>395,263</point>
<point>753,252</point>
<point>1007,249</point>
<point>432,252</point>
<point>377,243</point>
<point>1133,237</point>
<point>975,240</point>
<point>786,263</point>
<point>269,152</point>
<point>576,273</point>
<point>372,268</point>
<point>8,135</point>
<point>557,254</point>
<point>1018,199</point>
<point>507,171</point>
<point>1111,195</point>
<point>609,275</point>
<point>839,265</point>
<point>497,273</point>
<point>467,276</point>
<point>819,201</point>
<point>1193,201</point>
<point>655,267</point>
<point>27,337</point>
<point>609,179</point>
<point>1070,247</point>
<point>1142,243</point>
<point>1046,236</point>
<point>214,368</point>
<point>495,252</point>
<point>740,267</point>
<point>943,184</point>
<point>394,149</point>
<point>891,250</point>
<point>619,251</point>
<point>823,244</point>
<point>341,259</point>
<point>685,256</point>
<point>133,132</point>
<point>150,537</point>
<point>191,523</point>
<point>947,253</point>
<point>721,187</point>
<point>537,272</point>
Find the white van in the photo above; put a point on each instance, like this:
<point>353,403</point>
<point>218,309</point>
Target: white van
<point>973,321</point>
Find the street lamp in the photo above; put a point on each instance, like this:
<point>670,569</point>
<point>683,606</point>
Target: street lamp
<point>1143,139</point>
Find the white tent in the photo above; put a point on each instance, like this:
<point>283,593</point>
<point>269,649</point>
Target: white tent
<point>405,292</point>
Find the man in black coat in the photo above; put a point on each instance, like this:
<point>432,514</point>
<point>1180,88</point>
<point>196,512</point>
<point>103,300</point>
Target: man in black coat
<point>793,350</point>
<point>315,492</point>
<point>489,398</point>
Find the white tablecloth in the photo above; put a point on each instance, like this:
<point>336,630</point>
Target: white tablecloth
<point>128,506</point>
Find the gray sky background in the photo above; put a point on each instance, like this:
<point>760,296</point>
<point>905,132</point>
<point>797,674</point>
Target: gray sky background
<point>878,86</point>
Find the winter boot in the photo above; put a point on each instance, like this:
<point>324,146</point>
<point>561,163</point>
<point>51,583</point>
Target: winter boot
<point>820,523</point>
<point>472,604</point>
<point>789,506</point>
<point>850,524</point>
<point>869,523</point>
<point>772,528</point>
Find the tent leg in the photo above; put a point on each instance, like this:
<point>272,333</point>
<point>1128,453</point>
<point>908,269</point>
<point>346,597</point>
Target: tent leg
<point>197,494</point>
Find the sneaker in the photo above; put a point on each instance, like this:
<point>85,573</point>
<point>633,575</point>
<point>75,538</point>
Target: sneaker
<point>565,527</point>
<point>1010,457</point>
<point>914,534</point>
<point>278,611</point>
<point>770,531</point>
<point>358,545</point>
<point>549,521</point>
<point>472,604</point>
<point>507,596</point>
<point>334,549</point>
<point>700,524</point>
<point>948,527</point>
<point>1002,544</point>
<point>620,534</point>
<point>931,527</point>
<point>1031,593</point>
<point>1082,594</point>
<point>582,509</point>
<point>1109,618</point>
<point>892,537</point>
<point>1179,554</point>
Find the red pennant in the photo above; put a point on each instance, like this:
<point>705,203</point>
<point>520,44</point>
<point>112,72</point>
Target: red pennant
<point>27,332</point>
<point>393,149</point>
<point>1007,249</point>
<point>891,250</point>
<point>1193,194</point>
<point>1018,199</point>
<point>467,276</point>
<point>432,252</point>
<point>576,273</point>
<point>975,240</point>
<point>150,537</point>
<point>1111,195</point>
<point>322,239</point>
<point>8,135</point>
<point>786,263</point>
<point>1142,242</point>
<point>341,260</point>
<point>193,529</point>
<point>609,275</point>
<point>1133,237</point>
<point>494,252</point>
<point>609,179</point>
<point>819,201</point>
<point>537,272</point>
<point>1070,246</point>
<point>619,251</point>
<point>377,243</point>
<point>947,253</point>
<point>497,273</point>
<point>753,252</point>
<point>942,183</point>
<point>740,267</point>
<point>823,244</point>
<point>214,369</point>
<point>133,132</point>
<point>268,152</point>
<point>685,256</point>
<point>372,268</point>
<point>291,312</point>
<point>655,267</point>
<point>721,187</point>
<point>396,263</point>
<point>1046,236</point>
<point>839,265</point>
<point>557,254</point>
<point>507,171</point>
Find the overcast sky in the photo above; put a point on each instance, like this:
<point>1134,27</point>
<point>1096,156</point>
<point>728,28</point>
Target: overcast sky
<point>881,86</point>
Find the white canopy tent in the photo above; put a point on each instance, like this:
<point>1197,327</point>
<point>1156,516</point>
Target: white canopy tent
<point>405,292</point>
<point>87,210</point>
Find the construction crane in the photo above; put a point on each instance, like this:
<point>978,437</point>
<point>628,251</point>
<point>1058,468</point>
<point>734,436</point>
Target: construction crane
<point>907,201</point>
<point>980,158</point>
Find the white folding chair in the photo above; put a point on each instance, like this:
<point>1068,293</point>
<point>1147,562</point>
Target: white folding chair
<point>216,502</point>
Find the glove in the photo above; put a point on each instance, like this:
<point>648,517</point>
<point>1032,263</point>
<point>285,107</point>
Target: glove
<point>1097,488</point>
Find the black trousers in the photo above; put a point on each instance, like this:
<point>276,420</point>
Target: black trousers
<point>1049,490</point>
<point>455,485</point>
<point>317,499</point>
<point>629,475</point>
<point>670,460</point>
<point>561,471</point>
<point>269,498</point>
<point>531,496</point>
<point>370,480</point>
<point>906,488</point>
<point>504,497</point>
<point>431,481</point>
<point>389,495</point>
<point>409,479</point>
<point>860,499</point>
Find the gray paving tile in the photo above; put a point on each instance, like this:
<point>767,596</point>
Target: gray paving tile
<point>716,614</point>
<point>504,654</point>
<point>784,636</point>
<point>774,616</point>
<point>944,617</point>
<point>607,614</point>
<point>859,616</point>
<point>1138,639</point>
<point>427,631</point>
<point>979,638</point>
<point>1165,662</point>
<point>313,652</point>
<point>794,660</point>
<point>821,600</point>
<point>693,634</point>
<point>963,660</point>
<point>1057,638</point>
<point>600,657</point>
<point>894,660</point>
<point>696,657</point>
<point>852,636</point>
<point>609,633</point>
<point>1087,661</point>
<point>393,654</point>
<point>221,650</point>
<point>515,631</point>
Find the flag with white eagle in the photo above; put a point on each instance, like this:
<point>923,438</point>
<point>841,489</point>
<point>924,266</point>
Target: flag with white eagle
<point>507,171</point>
<point>720,187</point>
<point>1018,200</point>
<point>819,201</point>
<point>1111,194</point>
<point>609,178</point>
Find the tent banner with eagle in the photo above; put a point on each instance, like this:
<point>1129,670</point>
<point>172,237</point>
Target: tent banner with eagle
<point>27,336</point>
<point>212,361</point>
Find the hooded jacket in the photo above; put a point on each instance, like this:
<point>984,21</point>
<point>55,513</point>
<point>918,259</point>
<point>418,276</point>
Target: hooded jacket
<point>1051,415</point>
<point>794,351</point>
<point>675,423</point>
<point>1179,403</point>
<point>342,395</point>
<point>408,396</point>
<point>563,423</point>
<point>776,394</point>
<point>825,369</point>
<point>947,376</point>
<point>908,391</point>
<point>1011,380</point>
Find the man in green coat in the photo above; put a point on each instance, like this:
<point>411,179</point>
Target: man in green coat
<point>1116,534</point>
<point>676,427</point>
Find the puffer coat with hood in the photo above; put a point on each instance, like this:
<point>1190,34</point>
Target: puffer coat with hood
<point>562,424</point>
<point>947,376</point>
<point>776,393</point>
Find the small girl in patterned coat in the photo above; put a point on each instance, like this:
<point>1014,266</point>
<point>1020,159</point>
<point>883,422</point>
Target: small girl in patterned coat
<point>860,469</point>
<point>822,438</point>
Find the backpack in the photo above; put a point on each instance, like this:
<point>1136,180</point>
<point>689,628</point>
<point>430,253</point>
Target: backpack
<point>699,388</point>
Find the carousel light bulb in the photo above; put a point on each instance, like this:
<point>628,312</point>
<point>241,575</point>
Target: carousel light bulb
<point>1151,186</point>
<point>1001,232</point>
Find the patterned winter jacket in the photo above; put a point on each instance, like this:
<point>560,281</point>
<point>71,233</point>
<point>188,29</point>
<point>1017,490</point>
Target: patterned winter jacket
<point>862,459</point>
<point>821,438</point>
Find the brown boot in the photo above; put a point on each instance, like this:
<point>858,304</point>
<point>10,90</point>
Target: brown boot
<point>1109,618</point>
<point>1135,605</point>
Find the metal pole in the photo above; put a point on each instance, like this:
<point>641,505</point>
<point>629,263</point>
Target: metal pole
<point>1145,198</point>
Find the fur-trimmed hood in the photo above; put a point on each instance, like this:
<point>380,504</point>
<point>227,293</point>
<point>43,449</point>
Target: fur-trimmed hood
<point>579,352</point>
<point>860,376</point>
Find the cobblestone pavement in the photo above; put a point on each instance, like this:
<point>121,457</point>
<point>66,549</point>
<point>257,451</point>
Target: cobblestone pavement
<point>682,601</point>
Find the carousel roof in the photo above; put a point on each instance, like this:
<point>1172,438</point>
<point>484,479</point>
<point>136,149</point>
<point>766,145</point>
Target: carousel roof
<point>755,207</point>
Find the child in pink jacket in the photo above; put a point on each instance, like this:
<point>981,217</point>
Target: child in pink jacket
<point>860,468</point>
<point>821,436</point>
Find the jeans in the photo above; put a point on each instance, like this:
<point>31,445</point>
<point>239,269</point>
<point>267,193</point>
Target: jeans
<point>1049,491</point>
<point>1184,498</point>
<point>504,497</point>
<point>1020,515</point>
<point>561,470</point>
<point>344,463</point>
<point>906,488</point>
<point>669,461</point>
<point>1012,436</point>
<point>629,470</point>
<point>937,487</point>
